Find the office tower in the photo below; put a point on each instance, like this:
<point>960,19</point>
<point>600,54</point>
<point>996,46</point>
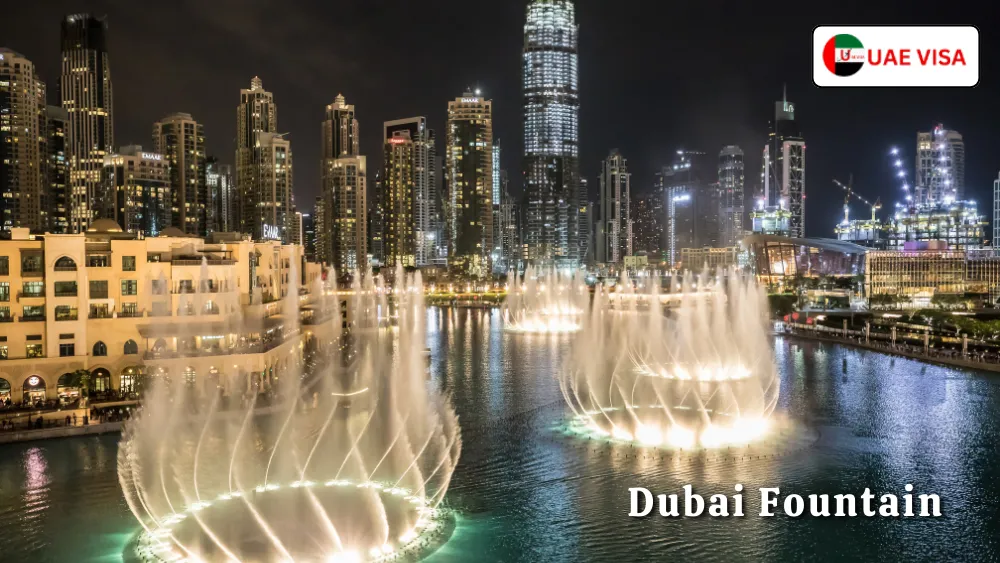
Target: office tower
<point>469,180</point>
<point>256,120</point>
<point>551,114</point>
<point>376,224</point>
<point>309,236</point>
<point>340,129</point>
<point>56,198</point>
<point>322,231</point>
<point>648,220</point>
<point>692,202</point>
<point>85,88</point>
<point>23,151</point>
<point>940,166</point>
<point>784,167</point>
<point>730,195</point>
<point>181,140</point>
<point>344,190</point>
<point>142,184</point>
<point>614,228</point>
<point>222,214</point>
<point>411,178</point>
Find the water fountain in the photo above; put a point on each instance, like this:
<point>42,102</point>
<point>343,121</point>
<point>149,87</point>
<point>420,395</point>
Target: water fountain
<point>700,375</point>
<point>547,301</point>
<point>349,463</point>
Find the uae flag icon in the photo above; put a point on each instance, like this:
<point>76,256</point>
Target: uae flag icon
<point>844,55</point>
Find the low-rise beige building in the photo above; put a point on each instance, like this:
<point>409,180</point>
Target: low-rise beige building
<point>213,313</point>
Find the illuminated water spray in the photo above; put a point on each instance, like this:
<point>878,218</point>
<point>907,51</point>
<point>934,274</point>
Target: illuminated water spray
<point>546,301</point>
<point>698,372</point>
<point>346,463</point>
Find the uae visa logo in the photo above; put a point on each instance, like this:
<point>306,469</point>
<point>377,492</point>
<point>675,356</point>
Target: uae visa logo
<point>844,55</point>
<point>896,56</point>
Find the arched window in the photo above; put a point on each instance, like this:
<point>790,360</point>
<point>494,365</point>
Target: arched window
<point>100,380</point>
<point>100,349</point>
<point>131,347</point>
<point>65,264</point>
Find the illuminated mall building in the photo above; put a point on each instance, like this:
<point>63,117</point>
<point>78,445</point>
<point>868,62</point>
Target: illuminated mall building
<point>551,133</point>
<point>209,313</point>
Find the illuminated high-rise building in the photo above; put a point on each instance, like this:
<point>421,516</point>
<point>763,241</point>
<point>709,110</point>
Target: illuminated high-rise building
<point>784,167</point>
<point>57,168</point>
<point>85,88</point>
<point>344,244</point>
<point>469,182</point>
<point>181,140</point>
<point>23,151</point>
<point>551,115</point>
<point>409,167</point>
<point>256,115</point>
<point>222,214</point>
<point>142,183</point>
<point>731,205</point>
<point>940,166</point>
<point>614,228</point>
<point>692,204</point>
<point>274,213</point>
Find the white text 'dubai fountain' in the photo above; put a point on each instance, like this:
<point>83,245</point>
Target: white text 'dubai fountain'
<point>546,301</point>
<point>690,367</point>
<point>348,462</point>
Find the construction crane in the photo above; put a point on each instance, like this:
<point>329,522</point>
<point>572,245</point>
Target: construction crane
<point>850,192</point>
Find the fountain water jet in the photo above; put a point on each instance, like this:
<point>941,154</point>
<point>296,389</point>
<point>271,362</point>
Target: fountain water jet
<point>547,301</point>
<point>700,375</point>
<point>350,463</point>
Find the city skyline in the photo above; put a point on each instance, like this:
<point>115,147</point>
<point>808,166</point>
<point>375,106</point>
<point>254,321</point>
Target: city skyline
<point>650,123</point>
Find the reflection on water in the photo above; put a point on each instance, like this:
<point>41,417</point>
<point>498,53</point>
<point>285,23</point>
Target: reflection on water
<point>527,492</point>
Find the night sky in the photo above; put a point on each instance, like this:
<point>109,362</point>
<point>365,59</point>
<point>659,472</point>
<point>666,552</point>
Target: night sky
<point>655,76</point>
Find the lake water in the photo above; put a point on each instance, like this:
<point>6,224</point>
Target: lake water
<point>525,491</point>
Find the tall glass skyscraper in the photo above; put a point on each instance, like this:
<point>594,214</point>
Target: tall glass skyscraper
<point>551,116</point>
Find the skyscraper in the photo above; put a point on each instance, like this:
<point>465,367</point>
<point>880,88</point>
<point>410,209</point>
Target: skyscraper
<point>614,228</point>
<point>398,193</point>
<point>469,181</point>
<point>23,151</point>
<point>376,224</point>
<point>309,236</point>
<point>256,115</point>
<point>85,88</point>
<point>648,219</point>
<point>57,168</point>
<point>940,166</point>
<point>181,140</point>
<point>344,191</point>
<point>551,114</point>
<point>784,167</point>
<point>692,202</point>
<point>222,214</point>
<point>420,179</point>
<point>731,203</point>
<point>141,184</point>
<point>499,264</point>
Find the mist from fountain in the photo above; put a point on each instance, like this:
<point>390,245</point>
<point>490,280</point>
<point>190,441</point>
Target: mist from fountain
<point>699,372</point>
<point>350,463</point>
<point>546,301</point>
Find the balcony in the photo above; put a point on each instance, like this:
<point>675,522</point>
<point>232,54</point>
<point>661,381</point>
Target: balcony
<point>30,294</point>
<point>67,317</point>
<point>32,273</point>
<point>64,268</point>
<point>32,318</point>
<point>65,293</point>
<point>6,318</point>
<point>129,314</point>
<point>216,262</point>
<point>99,315</point>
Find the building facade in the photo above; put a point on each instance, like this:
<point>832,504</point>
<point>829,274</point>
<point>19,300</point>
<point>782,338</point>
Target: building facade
<point>417,175</point>
<point>551,132</point>
<point>649,217</point>
<point>222,214</point>
<point>614,228</point>
<point>23,145</point>
<point>126,308</point>
<point>692,204</point>
<point>142,188</point>
<point>956,223</point>
<point>784,167</point>
<point>274,214</point>
<point>57,170</point>
<point>469,183</point>
<point>940,166</point>
<point>181,141</point>
<point>255,115</point>
<point>344,244</point>
<point>731,196</point>
<point>85,88</point>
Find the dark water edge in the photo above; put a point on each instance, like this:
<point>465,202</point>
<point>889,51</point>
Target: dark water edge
<point>525,491</point>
